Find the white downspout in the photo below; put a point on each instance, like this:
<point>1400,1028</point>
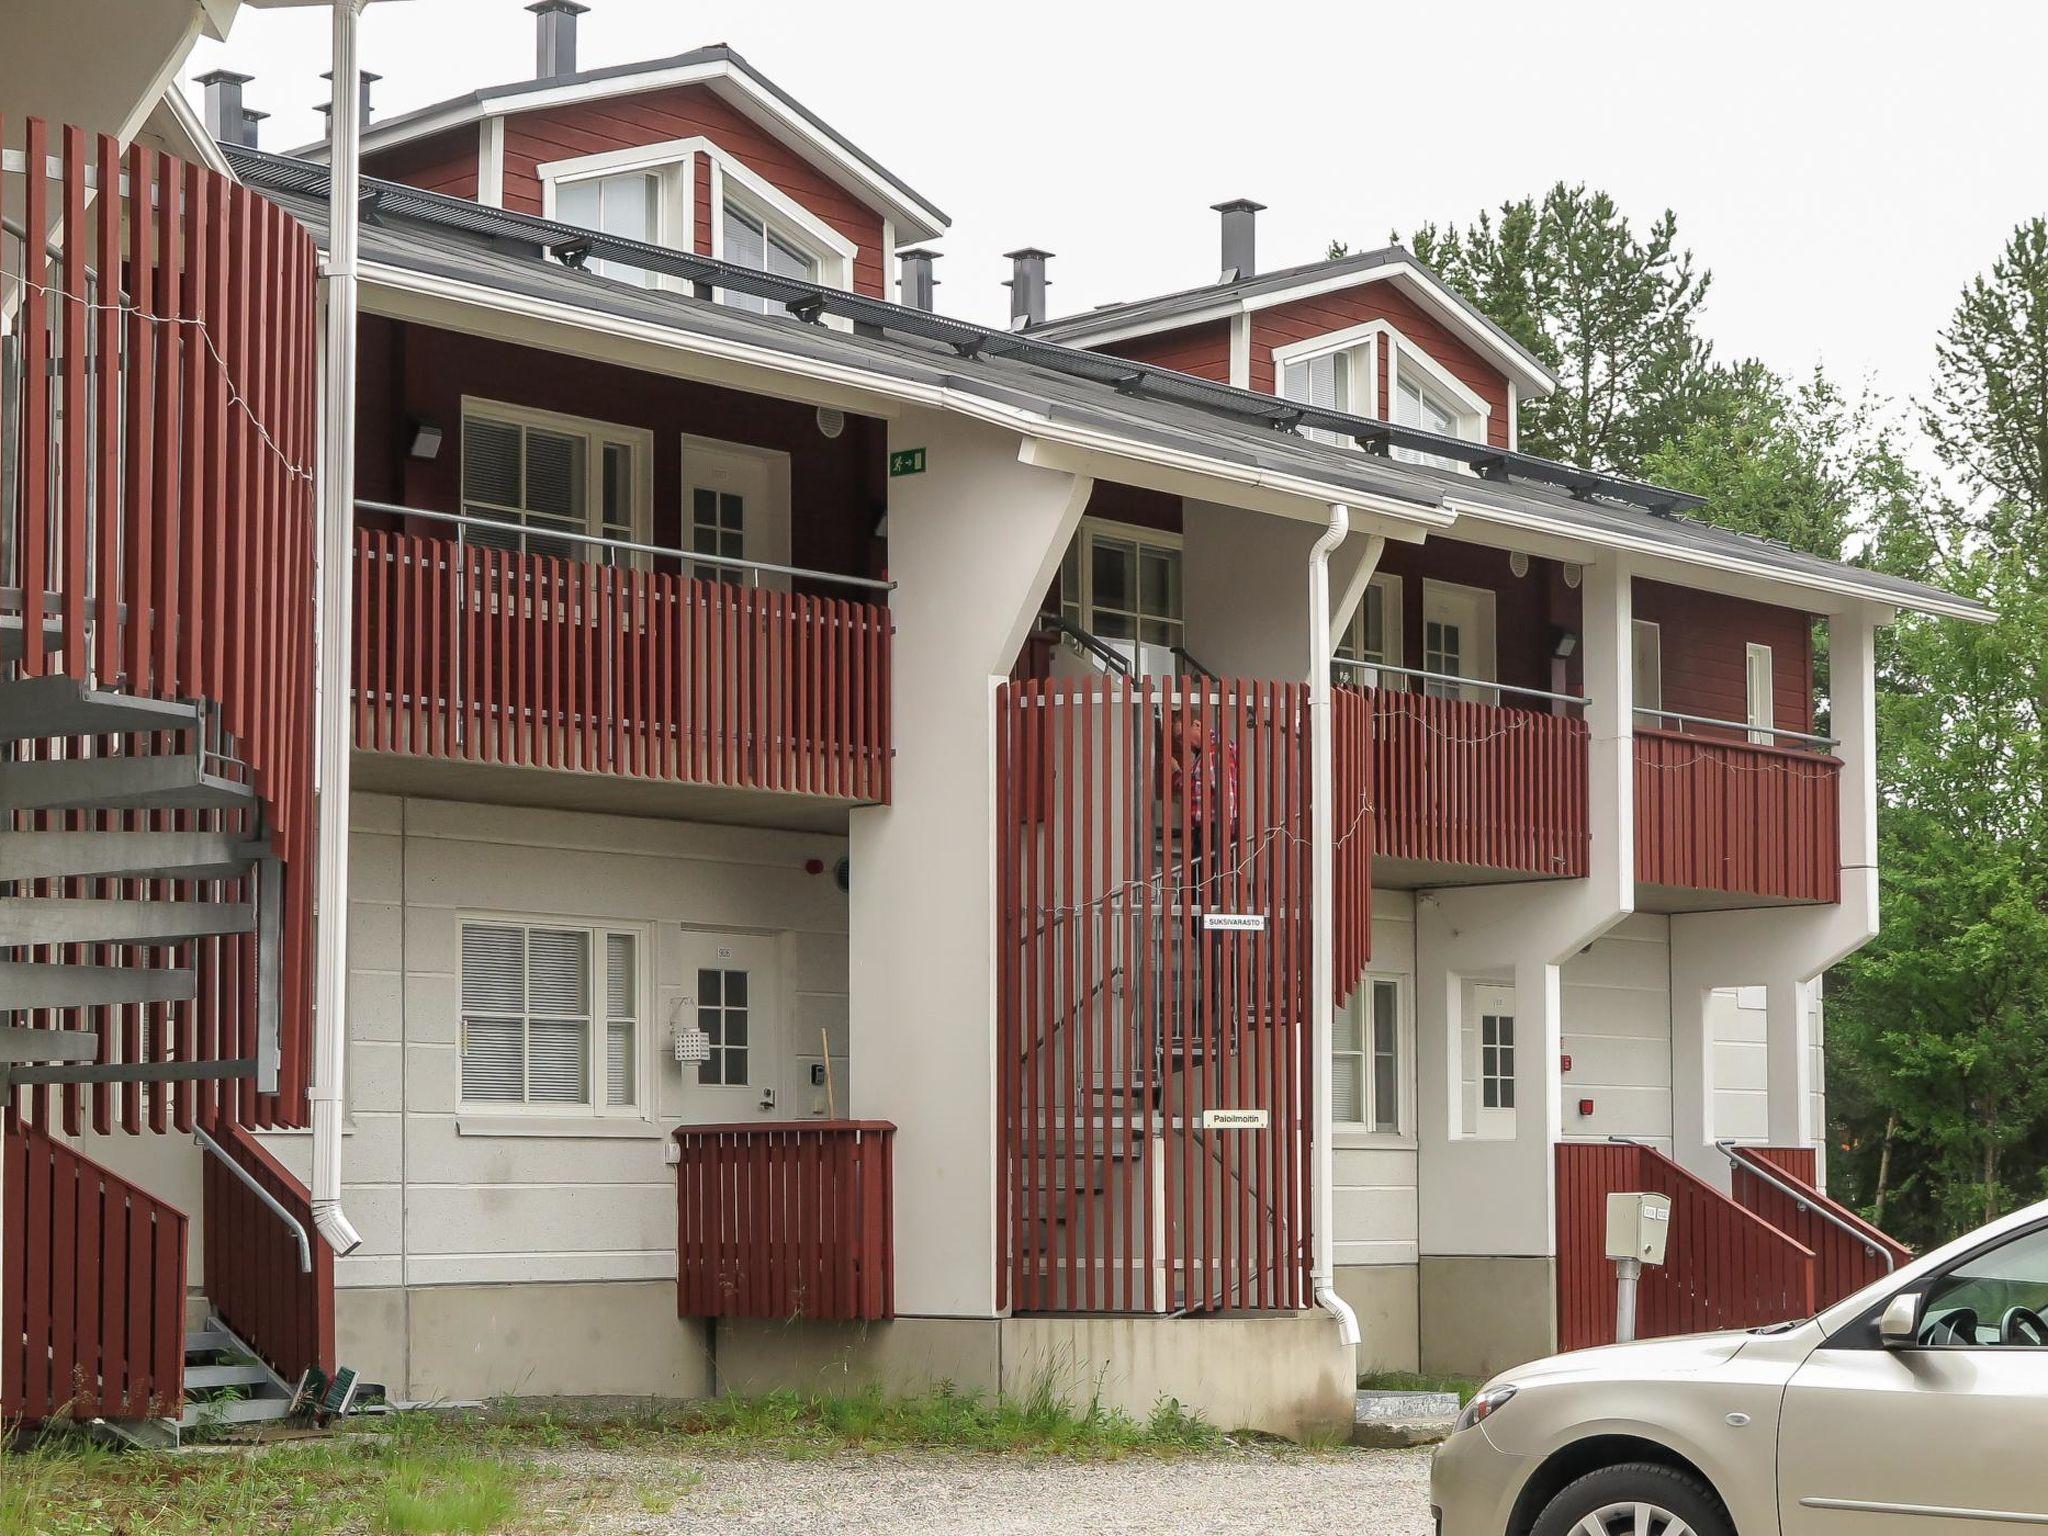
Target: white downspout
<point>1322,909</point>
<point>337,603</point>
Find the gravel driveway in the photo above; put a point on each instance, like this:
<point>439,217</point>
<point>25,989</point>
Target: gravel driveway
<point>1362,1493</point>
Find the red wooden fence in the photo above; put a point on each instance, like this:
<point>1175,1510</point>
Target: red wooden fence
<point>1725,1267</point>
<point>1153,881</point>
<point>499,657</point>
<point>1732,816</point>
<point>786,1220</point>
<point>160,542</point>
<point>1463,783</point>
<point>253,1278</point>
<point>92,1316</point>
<point>1847,1261</point>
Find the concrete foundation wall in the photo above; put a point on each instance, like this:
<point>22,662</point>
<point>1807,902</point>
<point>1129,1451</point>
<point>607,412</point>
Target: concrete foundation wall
<point>1479,1316</point>
<point>1386,1299</point>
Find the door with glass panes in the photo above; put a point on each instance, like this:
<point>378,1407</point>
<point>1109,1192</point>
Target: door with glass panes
<point>727,989</point>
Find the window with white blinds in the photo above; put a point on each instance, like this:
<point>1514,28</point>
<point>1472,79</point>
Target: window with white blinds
<point>627,205</point>
<point>1323,381</point>
<point>542,474</point>
<point>753,240</point>
<point>550,1015</point>
<point>1366,1065</point>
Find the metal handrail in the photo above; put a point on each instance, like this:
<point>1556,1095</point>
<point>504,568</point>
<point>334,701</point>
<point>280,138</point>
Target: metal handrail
<point>1734,1151</point>
<point>1740,725</point>
<point>1462,682</point>
<point>249,1182</point>
<point>1108,655</point>
<point>757,568</point>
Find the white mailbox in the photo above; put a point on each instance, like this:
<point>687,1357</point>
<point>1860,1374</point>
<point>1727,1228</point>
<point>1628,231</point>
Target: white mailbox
<point>1638,1226</point>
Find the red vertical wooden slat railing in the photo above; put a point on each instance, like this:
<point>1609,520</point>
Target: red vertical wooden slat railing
<point>1480,784</point>
<point>1734,816</point>
<point>81,1340</point>
<point>786,1220</point>
<point>1847,1261</point>
<point>253,1279</point>
<point>1128,810</point>
<point>551,663</point>
<point>1725,1266</point>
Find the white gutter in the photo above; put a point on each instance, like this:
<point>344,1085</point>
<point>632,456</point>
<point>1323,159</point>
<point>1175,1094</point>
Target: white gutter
<point>1322,908</point>
<point>337,603</point>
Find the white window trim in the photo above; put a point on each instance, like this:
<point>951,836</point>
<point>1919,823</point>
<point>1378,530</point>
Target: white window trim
<point>1362,342</point>
<point>674,166</point>
<point>1359,1134</point>
<point>1760,735</point>
<point>1473,412</point>
<point>833,252</point>
<point>496,1116</point>
<point>1089,530</point>
<point>591,430</point>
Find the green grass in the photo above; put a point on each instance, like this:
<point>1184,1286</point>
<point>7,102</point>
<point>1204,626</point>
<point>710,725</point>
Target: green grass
<point>1414,1381</point>
<point>430,1497</point>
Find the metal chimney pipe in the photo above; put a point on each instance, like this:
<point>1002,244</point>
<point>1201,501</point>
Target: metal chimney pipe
<point>555,37</point>
<point>1027,286</point>
<point>1240,238</point>
<point>919,286</point>
<point>251,128</point>
<point>364,80</point>
<point>226,118</point>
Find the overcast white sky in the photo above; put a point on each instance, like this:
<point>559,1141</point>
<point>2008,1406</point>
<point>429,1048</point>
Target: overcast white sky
<point>1843,168</point>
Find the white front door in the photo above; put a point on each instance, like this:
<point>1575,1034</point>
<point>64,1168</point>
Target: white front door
<point>735,505</point>
<point>1457,640</point>
<point>1490,1046</point>
<point>728,988</point>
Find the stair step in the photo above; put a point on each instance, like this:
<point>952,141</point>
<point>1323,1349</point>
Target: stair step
<point>96,920</point>
<point>169,782</point>
<point>209,1341</point>
<point>22,1045</point>
<point>35,984</point>
<point>44,708</point>
<point>240,1410</point>
<point>124,855</point>
<point>199,1376</point>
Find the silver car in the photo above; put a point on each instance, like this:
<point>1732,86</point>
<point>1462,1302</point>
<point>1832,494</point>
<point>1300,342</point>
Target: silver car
<point>1916,1407</point>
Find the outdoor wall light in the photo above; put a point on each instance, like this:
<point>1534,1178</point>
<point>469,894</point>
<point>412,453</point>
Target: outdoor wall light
<point>1564,643</point>
<point>426,440</point>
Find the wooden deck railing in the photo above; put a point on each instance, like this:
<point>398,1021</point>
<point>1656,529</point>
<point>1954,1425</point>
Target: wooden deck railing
<point>1455,782</point>
<point>92,1289</point>
<point>786,1220</point>
<point>157,417</point>
<point>1847,1260</point>
<point>1752,820</point>
<point>1724,1267</point>
<point>493,656</point>
<point>255,1278</point>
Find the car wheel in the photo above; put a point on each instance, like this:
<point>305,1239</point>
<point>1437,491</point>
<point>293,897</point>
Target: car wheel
<point>1637,1499</point>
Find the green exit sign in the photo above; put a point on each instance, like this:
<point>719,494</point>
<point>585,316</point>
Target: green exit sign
<point>906,461</point>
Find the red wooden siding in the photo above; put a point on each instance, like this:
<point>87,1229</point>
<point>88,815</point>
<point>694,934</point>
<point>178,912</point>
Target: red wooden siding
<point>1728,816</point>
<point>1704,639</point>
<point>536,138</point>
<point>1203,350</point>
<point>163,536</point>
<point>1127,810</point>
<point>1724,1266</point>
<point>1846,1263</point>
<point>441,162</point>
<point>786,1221</point>
<point>1460,783</point>
<point>497,657</point>
<point>253,1279</point>
<point>1304,319</point>
<point>92,1289</point>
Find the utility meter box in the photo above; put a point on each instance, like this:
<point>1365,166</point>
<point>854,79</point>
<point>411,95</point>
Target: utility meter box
<point>1638,1226</point>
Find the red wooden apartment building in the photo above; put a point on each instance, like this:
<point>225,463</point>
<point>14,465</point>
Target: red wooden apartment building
<point>837,829</point>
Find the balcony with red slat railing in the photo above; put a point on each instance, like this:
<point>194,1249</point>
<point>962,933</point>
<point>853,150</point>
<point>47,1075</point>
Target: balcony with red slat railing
<point>1475,775</point>
<point>609,658</point>
<point>786,1220</point>
<point>1719,813</point>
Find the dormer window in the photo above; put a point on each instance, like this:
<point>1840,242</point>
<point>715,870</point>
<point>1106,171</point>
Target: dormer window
<point>627,205</point>
<point>1348,371</point>
<point>752,240</point>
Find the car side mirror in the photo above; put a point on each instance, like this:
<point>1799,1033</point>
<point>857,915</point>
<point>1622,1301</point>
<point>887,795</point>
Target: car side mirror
<point>1899,1328</point>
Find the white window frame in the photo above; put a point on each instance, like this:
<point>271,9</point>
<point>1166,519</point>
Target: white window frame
<point>1762,712</point>
<point>1500,1082</point>
<point>1472,413</point>
<point>1350,644</point>
<point>781,215</point>
<point>673,165</point>
<point>1081,605</point>
<point>1480,687</point>
<point>1646,638</point>
<point>1368,1131</point>
<point>1358,347</point>
<point>594,1108</point>
<point>596,434</point>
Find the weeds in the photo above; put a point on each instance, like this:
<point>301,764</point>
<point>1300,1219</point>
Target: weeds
<point>1411,1381</point>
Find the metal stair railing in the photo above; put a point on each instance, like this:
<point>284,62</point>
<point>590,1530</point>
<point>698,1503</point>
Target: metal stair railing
<point>1802,1202</point>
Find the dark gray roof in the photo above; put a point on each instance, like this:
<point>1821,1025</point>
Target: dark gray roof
<point>506,96</point>
<point>1157,314</point>
<point>447,237</point>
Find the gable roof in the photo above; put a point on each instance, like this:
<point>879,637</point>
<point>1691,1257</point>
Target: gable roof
<point>1085,400</point>
<point>716,66</point>
<point>1215,301</point>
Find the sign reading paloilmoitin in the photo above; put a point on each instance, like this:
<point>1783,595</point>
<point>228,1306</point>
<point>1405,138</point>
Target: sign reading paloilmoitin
<point>906,461</point>
<point>1233,922</point>
<point>1235,1119</point>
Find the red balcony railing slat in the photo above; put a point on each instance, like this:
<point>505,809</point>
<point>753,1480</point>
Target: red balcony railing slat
<point>253,1278</point>
<point>1734,816</point>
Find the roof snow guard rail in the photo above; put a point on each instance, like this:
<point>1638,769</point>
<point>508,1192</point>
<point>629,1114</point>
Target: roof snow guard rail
<point>576,247</point>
